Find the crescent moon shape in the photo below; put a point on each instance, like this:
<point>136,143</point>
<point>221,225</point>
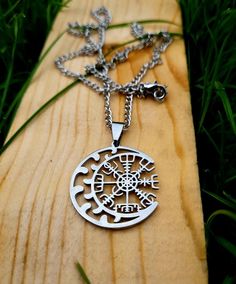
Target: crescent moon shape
<point>99,206</point>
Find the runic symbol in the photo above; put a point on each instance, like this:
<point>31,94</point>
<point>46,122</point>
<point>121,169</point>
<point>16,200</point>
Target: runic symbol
<point>145,198</point>
<point>124,207</point>
<point>151,181</point>
<point>99,180</point>
<point>145,166</point>
<point>126,183</point>
<point>111,169</point>
<point>127,161</point>
<point>108,199</point>
<point>115,187</point>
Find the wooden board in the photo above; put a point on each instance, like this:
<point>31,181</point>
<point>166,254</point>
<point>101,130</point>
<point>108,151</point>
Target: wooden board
<point>41,235</point>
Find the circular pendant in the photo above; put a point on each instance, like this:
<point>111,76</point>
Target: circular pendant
<point>114,187</point>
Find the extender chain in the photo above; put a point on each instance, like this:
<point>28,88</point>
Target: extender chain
<point>159,42</point>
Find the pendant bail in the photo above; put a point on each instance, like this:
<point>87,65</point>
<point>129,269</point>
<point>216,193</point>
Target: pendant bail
<point>117,130</point>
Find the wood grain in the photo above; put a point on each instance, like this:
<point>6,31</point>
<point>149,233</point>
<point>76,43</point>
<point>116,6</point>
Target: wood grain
<point>41,235</point>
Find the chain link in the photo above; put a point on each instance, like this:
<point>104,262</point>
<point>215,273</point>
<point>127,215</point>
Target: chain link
<point>159,43</point>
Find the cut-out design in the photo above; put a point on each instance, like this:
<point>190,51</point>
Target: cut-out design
<point>116,187</point>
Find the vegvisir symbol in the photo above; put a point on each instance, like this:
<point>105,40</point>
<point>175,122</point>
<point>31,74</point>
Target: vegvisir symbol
<point>127,182</point>
<point>119,184</point>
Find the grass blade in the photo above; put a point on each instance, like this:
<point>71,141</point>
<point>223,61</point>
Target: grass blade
<point>143,22</point>
<point>221,212</point>
<point>227,245</point>
<point>10,70</point>
<point>49,102</point>
<point>82,273</point>
<point>220,91</point>
<point>21,93</point>
<point>43,107</point>
<point>221,199</point>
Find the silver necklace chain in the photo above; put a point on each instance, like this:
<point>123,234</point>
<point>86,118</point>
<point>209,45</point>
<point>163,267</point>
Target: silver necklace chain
<point>158,42</point>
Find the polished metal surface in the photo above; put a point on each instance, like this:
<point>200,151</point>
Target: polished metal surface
<point>100,70</point>
<point>117,130</point>
<point>114,187</point>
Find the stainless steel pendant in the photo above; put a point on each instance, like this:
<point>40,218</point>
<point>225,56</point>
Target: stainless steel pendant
<point>114,187</point>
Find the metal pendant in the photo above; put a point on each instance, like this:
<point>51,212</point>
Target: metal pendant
<point>114,187</point>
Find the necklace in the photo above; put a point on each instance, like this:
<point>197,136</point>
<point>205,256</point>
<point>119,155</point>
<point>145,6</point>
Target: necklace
<point>115,187</point>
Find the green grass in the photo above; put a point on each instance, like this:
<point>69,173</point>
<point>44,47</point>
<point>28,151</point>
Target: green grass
<point>209,31</point>
<point>210,34</point>
<point>24,26</point>
<point>82,273</point>
<point>65,89</point>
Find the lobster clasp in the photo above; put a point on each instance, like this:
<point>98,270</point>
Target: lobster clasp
<point>157,91</point>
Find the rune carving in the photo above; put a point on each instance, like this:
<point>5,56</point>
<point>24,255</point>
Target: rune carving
<point>115,187</point>
<point>125,182</point>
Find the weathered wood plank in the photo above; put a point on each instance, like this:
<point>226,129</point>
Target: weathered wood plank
<point>41,235</point>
